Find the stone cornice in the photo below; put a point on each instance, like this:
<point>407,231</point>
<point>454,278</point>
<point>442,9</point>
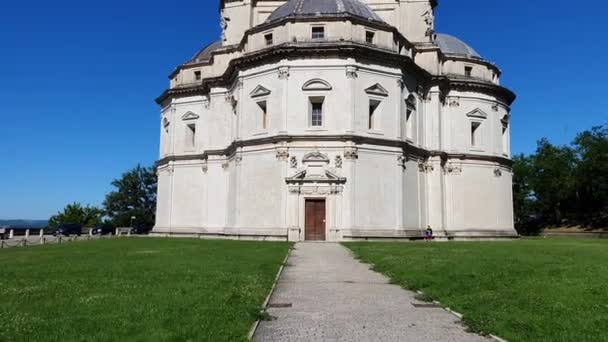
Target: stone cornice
<point>346,49</point>
<point>409,150</point>
<point>447,83</point>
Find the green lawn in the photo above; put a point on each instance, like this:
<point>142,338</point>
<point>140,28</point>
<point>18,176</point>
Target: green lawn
<point>135,290</point>
<point>528,290</point>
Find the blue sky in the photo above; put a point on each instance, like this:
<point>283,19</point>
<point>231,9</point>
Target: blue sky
<point>79,80</point>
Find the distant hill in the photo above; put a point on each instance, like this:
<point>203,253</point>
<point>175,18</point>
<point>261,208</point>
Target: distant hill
<point>24,223</point>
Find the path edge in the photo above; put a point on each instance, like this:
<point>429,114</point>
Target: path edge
<point>255,325</point>
<point>454,313</point>
<point>460,316</point>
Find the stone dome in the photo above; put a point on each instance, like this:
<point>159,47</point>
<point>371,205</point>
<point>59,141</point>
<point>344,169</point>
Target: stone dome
<point>204,54</point>
<point>324,8</point>
<point>451,45</point>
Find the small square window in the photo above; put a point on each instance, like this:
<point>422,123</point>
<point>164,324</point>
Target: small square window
<point>468,71</point>
<point>318,32</point>
<point>197,75</point>
<point>268,39</point>
<point>369,37</point>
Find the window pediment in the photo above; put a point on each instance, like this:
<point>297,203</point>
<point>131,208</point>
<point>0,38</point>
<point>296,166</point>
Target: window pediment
<point>477,113</point>
<point>377,90</point>
<point>315,157</point>
<point>259,91</point>
<point>317,84</point>
<point>190,116</point>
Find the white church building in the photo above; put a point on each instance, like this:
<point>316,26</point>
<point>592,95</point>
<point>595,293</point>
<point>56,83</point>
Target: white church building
<point>334,120</point>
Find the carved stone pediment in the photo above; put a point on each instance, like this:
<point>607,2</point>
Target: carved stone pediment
<point>477,113</point>
<point>190,116</point>
<point>317,84</point>
<point>259,91</point>
<point>305,175</point>
<point>315,157</point>
<point>377,90</point>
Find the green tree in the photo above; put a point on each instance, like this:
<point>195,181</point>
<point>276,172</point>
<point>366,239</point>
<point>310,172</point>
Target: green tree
<point>592,176</point>
<point>135,196</point>
<point>87,216</point>
<point>523,194</point>
<point>553,181</point>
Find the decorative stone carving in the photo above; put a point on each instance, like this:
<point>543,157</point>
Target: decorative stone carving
<point>225,165</point>
<point>351,153</point>
<point>224,24</point>
<point>232,101</point>
<point>452,169</point>
<point>402,161</point>
<point>283,73</point>
<point>495,107</point>
<point>497,172</point>
<point>426,167</point>
<point>454,102</point>
<point>205,166</point>
<point>401,83</point>
<point>282,153</point>
<point>429,20</point>
<point>338,162</point>
<point>293,162</point>
<point>238,159</point>
<point>322,190</point>
<point>351,72</point>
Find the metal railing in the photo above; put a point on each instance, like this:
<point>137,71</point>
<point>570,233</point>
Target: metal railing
<point>40,239</point>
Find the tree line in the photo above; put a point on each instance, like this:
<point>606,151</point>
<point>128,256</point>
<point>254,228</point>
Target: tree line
<point>134,197</point>
<point>563,185</point>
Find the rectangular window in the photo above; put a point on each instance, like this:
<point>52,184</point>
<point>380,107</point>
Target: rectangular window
<point>268,39</point>
<point>191,136</point>
<point>316,112</point>
<point>263,115</point>
<point>408,122</point>
<point>373,116</point>
<point>197,75</point>
<point>369,37</point>
<point>468,71</point>
<point>318,32</point>
<point>475,130</point>
<point>505,140</point>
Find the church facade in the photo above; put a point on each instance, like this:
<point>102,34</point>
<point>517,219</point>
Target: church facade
<point>334,120</point>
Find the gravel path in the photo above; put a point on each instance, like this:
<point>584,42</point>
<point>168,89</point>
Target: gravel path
<point>324,294</point>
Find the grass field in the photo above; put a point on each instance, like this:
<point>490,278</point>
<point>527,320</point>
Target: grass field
<point>135,290</point>
<point>528,290</point>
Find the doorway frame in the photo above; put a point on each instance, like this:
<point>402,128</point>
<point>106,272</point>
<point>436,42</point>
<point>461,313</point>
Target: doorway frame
<point>325,200</point>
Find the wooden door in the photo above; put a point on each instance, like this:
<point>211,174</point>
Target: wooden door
<point>315,220</point>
